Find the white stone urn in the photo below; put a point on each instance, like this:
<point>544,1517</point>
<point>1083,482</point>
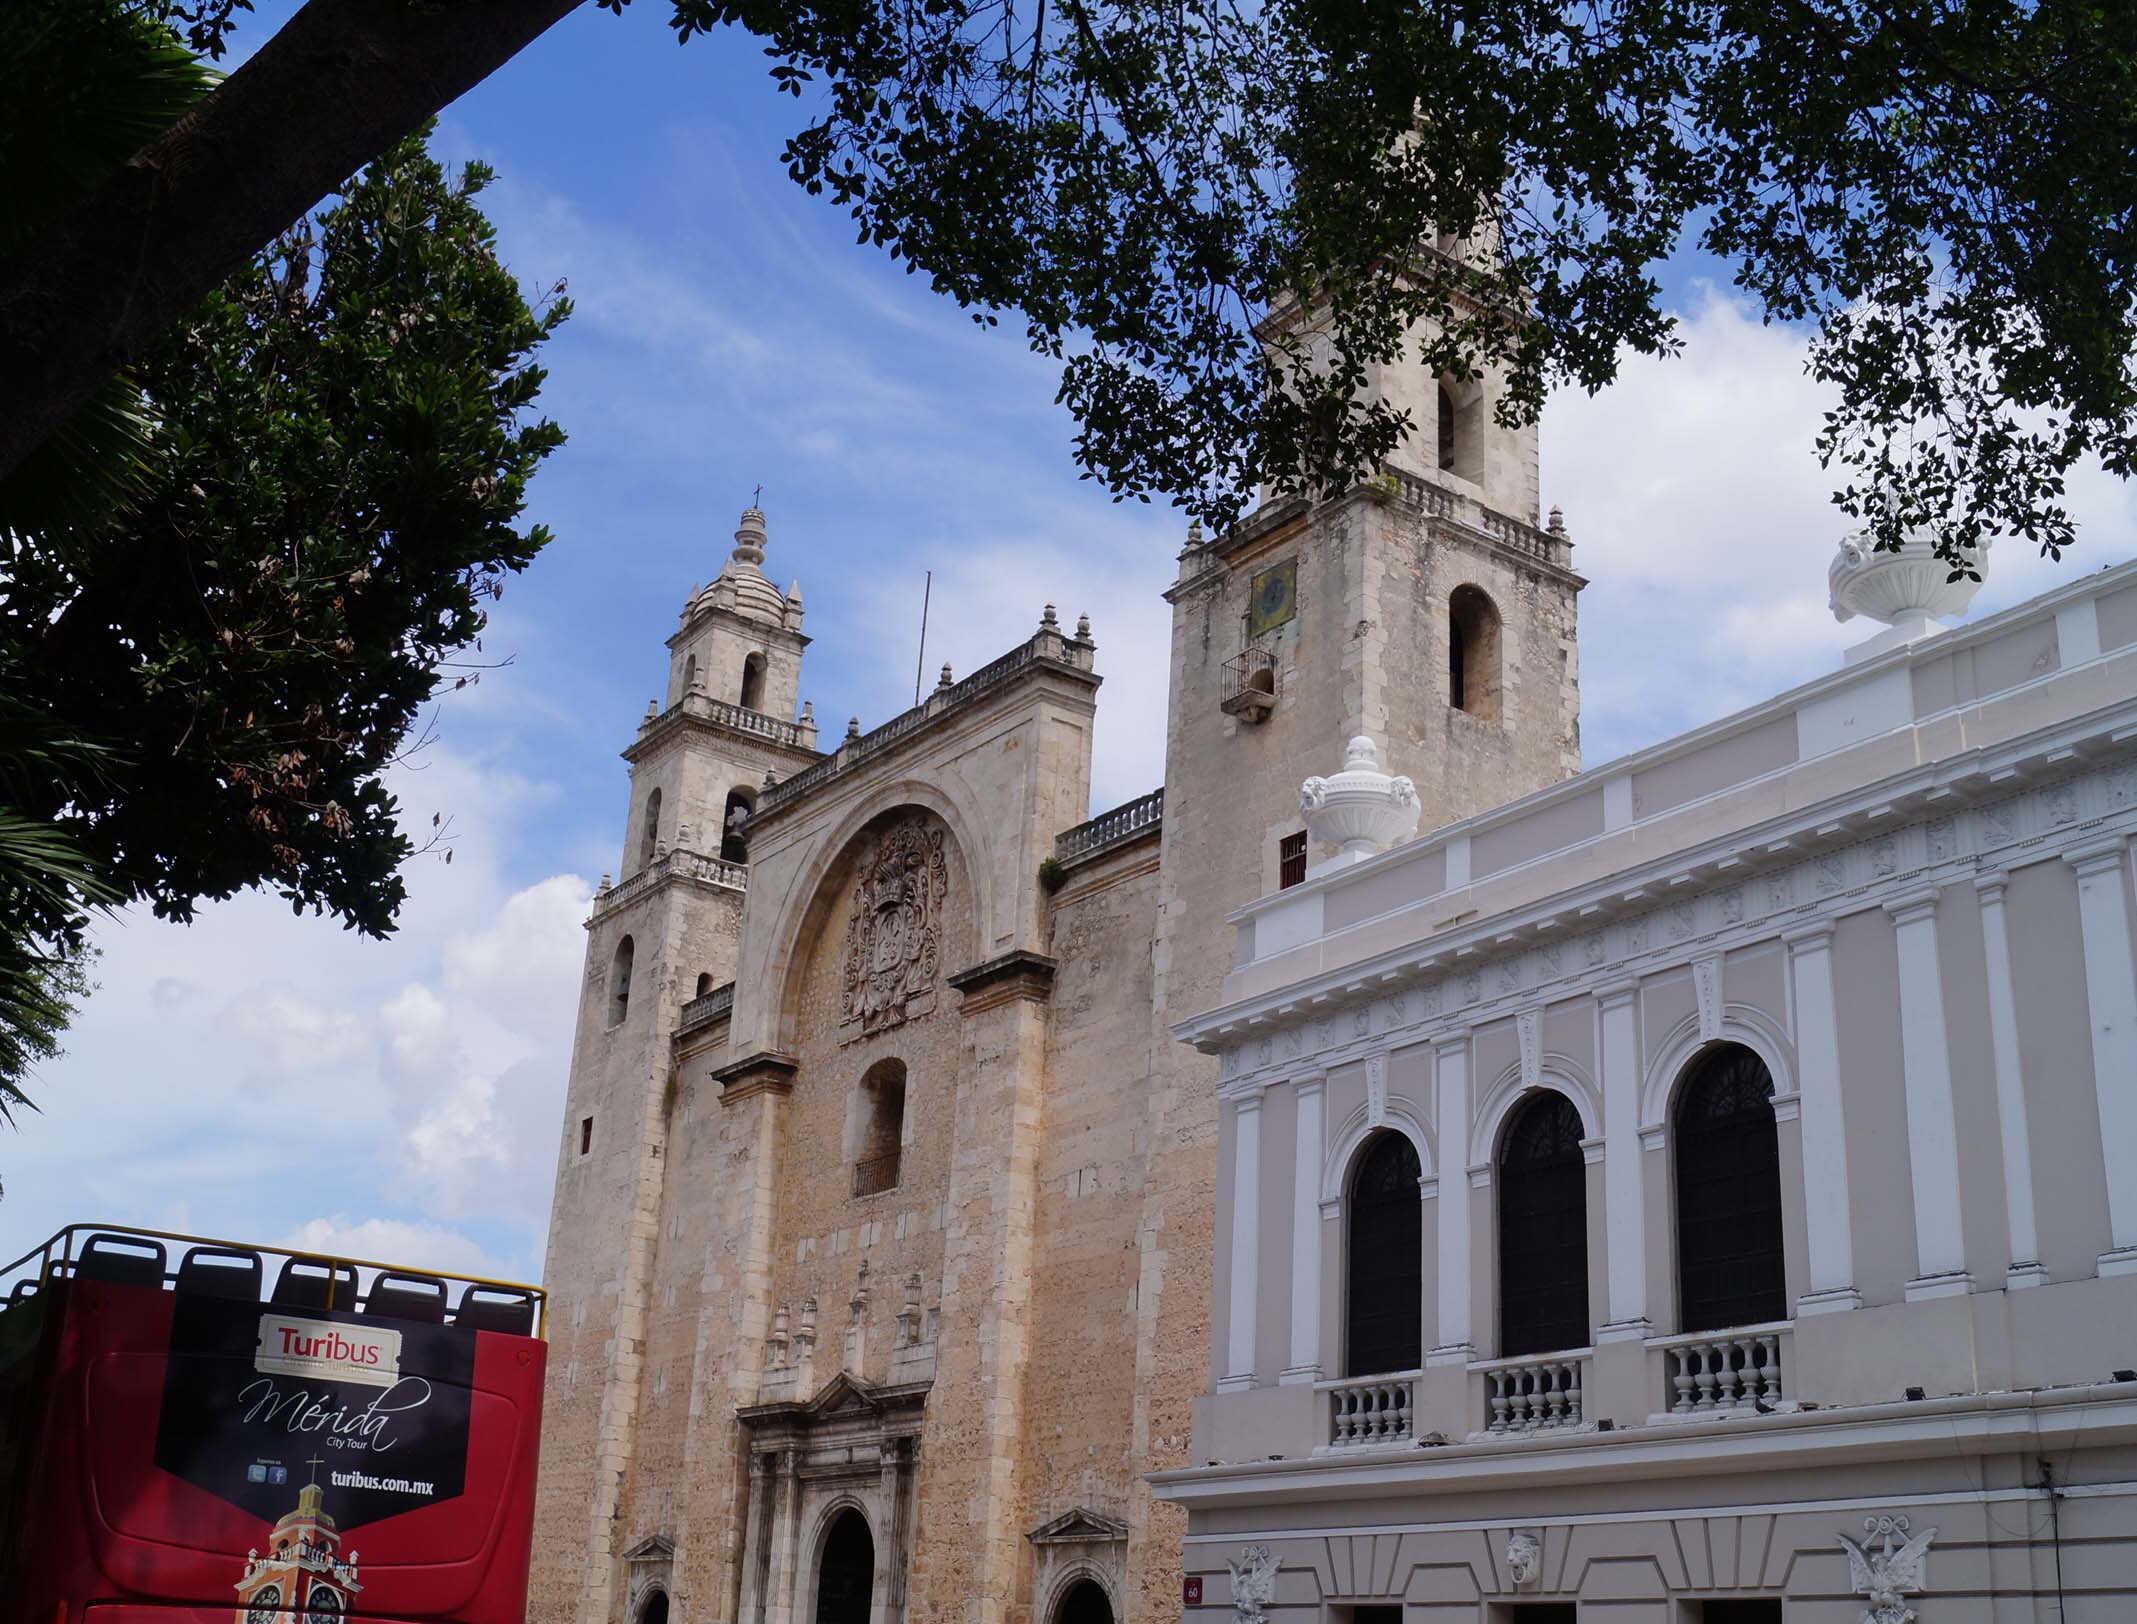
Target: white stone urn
<point>1361,809</point>
<point>1909,590</point>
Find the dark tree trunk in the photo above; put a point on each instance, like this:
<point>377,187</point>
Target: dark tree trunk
<point>338,84</point>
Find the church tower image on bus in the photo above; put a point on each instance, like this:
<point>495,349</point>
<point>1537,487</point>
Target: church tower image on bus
<point>303,1576</point>
<point>884,1230</point>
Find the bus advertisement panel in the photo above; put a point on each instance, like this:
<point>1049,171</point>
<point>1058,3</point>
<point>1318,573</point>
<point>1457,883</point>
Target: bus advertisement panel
<point>177,1444</point>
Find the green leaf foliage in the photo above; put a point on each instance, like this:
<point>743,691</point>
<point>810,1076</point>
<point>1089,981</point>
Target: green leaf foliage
<point>1218,215</point>
<point>346,439</point>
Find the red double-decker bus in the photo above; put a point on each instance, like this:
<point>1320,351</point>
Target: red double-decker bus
<point>196,1431</point>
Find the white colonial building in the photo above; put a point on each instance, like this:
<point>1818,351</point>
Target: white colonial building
<point>1705,1189</point>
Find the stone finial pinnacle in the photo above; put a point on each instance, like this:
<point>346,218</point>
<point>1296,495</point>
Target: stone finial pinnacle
<point>1557,525</point>
<point>945,679</point>
<point>853,727</point>
<point>750,537</point>
<point>1361,809</point>
<point>652,709</point>
<point>1909,588</point>
<point>808,711</point>
<point>1083,628</point>
<point>1049,621</point>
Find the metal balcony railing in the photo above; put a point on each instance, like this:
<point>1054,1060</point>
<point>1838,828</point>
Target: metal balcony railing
<point>872,1175</point>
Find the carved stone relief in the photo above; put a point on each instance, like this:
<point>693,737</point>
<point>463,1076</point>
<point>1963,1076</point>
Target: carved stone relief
<point>1524,1558</point>
<point>1884,1575</point>
<point>894,933</point>
<point>1253,1584</point>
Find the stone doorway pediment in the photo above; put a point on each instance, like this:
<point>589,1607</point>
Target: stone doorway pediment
<point>1082,1525</point>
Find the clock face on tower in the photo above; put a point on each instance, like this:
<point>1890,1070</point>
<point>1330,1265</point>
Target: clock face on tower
<point>1274,597</point>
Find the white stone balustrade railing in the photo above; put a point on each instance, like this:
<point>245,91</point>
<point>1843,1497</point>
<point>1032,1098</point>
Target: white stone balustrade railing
<point>1715,1372</point>
<point>1533,1394</point>
<point>1368,1410</point>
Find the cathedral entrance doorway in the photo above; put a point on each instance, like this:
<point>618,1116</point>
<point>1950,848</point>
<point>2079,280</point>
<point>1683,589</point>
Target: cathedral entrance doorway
<point>846,1575</point>
<point>1085,1603</point>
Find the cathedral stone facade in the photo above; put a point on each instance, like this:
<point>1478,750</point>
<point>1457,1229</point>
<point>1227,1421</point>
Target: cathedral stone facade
<point>884,1228</point>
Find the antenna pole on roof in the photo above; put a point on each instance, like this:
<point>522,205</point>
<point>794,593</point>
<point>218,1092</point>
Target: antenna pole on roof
<point>927,591</point>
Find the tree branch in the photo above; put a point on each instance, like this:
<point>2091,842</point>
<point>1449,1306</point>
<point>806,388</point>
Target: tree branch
<point>336,85</point>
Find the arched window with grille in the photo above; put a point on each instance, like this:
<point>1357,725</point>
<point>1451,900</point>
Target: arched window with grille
<point>882,1128</point>
<point>1446,430</point>
<point>753,682</point>
<point>1727,1152</point>
<point>1543,1228</point>
<point>1385,1286</point>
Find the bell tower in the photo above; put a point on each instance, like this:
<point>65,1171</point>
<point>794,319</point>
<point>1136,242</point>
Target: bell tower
<point>1424,609</point>
<point>663,936</point>
<point>303,1574</point>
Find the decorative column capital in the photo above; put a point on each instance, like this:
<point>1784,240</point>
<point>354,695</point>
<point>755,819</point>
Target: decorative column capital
<point>1816,937</point>
<point>1454,1043</point>
<point>2100,857</point>
<point>1914,907</point>
<point>1617,994</point>
<point>1012,975</point>
<point>1311,1082</point>
<point>1989,886</point>
<point>765,1072</point>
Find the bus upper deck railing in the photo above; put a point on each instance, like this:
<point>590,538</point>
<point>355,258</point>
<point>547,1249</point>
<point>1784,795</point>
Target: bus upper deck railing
<point>121,1254</point>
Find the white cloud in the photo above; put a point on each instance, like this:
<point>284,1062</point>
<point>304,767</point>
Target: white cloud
<point>1704,524</point>
<point>427,1247</point>
<point>987,600</point>
<point>251,1071</point>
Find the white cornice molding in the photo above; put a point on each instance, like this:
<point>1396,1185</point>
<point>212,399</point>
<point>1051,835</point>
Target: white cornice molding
<point>1830,862</point>
<point>2100,1416</point>
<point>1788,703</point>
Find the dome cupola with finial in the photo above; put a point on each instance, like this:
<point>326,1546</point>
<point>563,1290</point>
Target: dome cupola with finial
<point>740,640</point>
<point>742,585</point>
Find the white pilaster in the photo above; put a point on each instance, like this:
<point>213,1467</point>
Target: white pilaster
<point>1624,1196</point>
<point>1932,1123</point>
<point>2111,1005</point>
<point>1246,1244</point>
<point>1824,1128</point>
<point>1452,1080</point>
<point>2025,1269</point>
<point>1305,1365</point>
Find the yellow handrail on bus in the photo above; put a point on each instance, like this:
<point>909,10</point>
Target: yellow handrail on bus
<point>64,1239</point>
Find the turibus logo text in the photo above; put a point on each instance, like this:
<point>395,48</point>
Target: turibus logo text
<point>323,1351</point>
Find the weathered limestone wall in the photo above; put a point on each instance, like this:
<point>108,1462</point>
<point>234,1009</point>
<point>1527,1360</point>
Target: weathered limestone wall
<point>1077,1440</point>
<point>607,1213</point>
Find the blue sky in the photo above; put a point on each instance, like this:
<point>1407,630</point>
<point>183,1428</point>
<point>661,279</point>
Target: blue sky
<point>275,1078</point>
